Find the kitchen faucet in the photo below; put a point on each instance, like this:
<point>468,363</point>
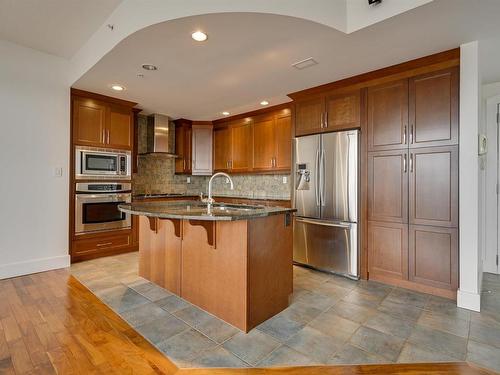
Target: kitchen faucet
<point>210,200</point>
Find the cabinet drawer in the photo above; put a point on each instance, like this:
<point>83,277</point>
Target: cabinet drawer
<point>101,243</point>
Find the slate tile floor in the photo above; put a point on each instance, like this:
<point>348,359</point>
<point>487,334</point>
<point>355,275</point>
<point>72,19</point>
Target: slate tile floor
<point>331,320</point>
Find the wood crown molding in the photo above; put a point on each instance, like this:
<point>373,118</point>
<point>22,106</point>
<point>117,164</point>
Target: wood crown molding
<point>257,112</point>
<point>406,69</point>
<point>104,98</point>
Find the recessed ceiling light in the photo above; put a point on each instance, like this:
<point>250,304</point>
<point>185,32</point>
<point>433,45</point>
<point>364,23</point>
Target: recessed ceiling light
<point>199,36</point>
<point>264,102</point>
<point>149,67</point>
<point>117,87</point>
<point>226,113</point>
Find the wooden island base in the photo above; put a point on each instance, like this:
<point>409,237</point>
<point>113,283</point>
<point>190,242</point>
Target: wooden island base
<point>240,271</point>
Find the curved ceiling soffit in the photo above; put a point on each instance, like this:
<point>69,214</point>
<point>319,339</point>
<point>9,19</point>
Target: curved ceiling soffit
<point>130,17</point>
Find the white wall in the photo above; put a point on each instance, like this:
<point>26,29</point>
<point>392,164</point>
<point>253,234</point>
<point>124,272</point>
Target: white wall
<point>34,108</point>
<point>468,295</point>
<point>491,99</point>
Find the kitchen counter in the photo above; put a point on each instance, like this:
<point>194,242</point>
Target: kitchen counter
<point>234,261</point>
<point>195,210</point>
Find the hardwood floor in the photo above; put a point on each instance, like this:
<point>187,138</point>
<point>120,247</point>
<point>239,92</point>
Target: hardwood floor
<point>51,324</point>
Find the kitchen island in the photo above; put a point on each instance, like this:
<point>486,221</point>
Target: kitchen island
<point>234,261</point>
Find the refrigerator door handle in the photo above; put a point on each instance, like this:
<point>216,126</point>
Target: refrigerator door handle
<point>317,178</point>
<point>324,223</point>
<point>322,177</point>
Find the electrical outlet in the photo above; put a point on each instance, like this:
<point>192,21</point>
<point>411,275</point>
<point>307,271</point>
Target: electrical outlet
<point>58,172</point>
<point>285,179</point>
<point>188,179</point>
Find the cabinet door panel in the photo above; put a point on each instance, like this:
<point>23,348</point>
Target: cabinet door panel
<point>388,186</point>
<point>434,186</point>
<point>119,128</point>
<point>241,146</point>
<point>183,148</point>
<point>283,133</point>
<point>308,116</point>
<point>343,111</point>
<point>434,109</point>
<point>388,250</point>
<point>387,116</point>
<point>263,143</point>
<point>222,148</point>
<point>89,122</point>
<point>202,150</point>
<point>433,256</point>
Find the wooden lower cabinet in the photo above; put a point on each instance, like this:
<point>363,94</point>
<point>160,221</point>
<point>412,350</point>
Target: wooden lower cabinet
<point>418,257</point>
<point>388,250</point>
<point>240,271</point>
<point>160,255</point>
<point>102,244</point>
<point>433,256</point>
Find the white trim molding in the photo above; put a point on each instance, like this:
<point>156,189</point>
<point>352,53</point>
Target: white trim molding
<point>33,266</point>
<point>470,301</point>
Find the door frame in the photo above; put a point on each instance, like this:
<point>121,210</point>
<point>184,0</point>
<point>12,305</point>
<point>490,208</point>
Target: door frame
<point>492,219</point>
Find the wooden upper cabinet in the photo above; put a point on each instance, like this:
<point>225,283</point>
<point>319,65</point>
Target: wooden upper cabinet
<point>264,143</point>
<point>388,186</point>
<point>433,183</point>
<point>434,109</point>
<point>387,116</point>
<point>183,135</point>
<point>101,124</point>
<point>241,147</point>
<point>120,130</point>
<point>283,139</point>
<point>433,256</point>
<point>222,148</point>
<point>89,122</point>
<point>309,116</point>
<point>343,111</point>
<point>202,150</point>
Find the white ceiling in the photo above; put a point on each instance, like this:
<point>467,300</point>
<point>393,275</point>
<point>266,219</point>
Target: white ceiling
<point>247,57</point>
<point>58,27</point>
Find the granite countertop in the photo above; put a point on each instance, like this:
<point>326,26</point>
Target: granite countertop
<point>196,210</point>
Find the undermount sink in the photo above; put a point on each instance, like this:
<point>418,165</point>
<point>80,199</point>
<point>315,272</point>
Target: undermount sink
<point>228,208</point>
<point>235,207</point>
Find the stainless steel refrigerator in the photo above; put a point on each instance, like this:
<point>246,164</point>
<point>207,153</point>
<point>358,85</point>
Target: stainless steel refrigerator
<point>326,198</point>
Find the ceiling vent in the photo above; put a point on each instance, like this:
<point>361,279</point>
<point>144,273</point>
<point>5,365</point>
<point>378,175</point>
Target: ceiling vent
<point>303,64</point>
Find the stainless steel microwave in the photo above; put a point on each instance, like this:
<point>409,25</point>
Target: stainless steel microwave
<point>95,163</point>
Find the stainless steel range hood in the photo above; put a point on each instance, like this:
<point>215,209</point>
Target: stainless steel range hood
<point>160,135</point>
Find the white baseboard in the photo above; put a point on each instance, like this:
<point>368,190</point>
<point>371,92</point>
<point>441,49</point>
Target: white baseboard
<point>33,266</point>
<point>469,301</point>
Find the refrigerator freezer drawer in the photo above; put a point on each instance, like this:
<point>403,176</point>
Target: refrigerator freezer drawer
<point>327,246</point>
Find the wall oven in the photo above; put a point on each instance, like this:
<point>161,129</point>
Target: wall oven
<point>95,163</point>
<point>96,206</point>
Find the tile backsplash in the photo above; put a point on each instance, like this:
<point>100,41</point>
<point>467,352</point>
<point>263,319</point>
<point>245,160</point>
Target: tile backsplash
<point>156,174</point>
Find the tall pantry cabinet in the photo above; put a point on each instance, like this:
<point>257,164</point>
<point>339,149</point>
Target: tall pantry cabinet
<point>412,189</point>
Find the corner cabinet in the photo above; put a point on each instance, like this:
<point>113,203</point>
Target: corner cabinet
<point>202,150</point>
<point>100,124</point>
